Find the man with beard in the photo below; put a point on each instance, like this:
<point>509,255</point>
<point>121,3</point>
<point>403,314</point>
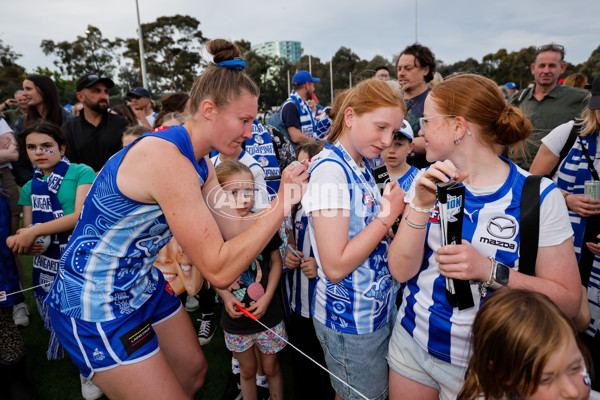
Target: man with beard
<point>295,112</point>
<point>415,68</point>
<point>547,104</point>
<point>95,135</point>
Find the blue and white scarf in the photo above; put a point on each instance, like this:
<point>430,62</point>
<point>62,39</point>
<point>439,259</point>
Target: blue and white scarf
<point>573,173</point>
<point>307,121</point>
<point>45,208</point>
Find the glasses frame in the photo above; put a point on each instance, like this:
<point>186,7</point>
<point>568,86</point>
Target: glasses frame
<point>422,120</point>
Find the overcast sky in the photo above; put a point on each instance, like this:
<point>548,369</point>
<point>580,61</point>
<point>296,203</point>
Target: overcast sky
<point>454,30</point>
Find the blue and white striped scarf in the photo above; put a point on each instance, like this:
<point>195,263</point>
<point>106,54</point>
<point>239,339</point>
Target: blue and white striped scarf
<point>572,175</point>
<point>307,121</point>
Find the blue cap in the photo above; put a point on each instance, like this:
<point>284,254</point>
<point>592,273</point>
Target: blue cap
<point>139,92</point>
<point>510,85</point>
<point>302,77</point>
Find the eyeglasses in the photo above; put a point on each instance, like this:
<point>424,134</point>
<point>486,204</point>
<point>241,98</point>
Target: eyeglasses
<point>552,47</point>
<point>423,120</point>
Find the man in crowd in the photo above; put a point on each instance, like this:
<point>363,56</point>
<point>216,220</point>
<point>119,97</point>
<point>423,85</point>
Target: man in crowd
<point>295,112</point>
<point>141,104</point>
<point>13,115</point>
<point>382,73</point>
<point>415,68</point>
<point>512,88</point>
<point>547,104</point>
<point>95,135</point>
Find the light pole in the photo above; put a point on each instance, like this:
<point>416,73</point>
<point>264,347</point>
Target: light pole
<point>141,42</point>
<point>416,19</point>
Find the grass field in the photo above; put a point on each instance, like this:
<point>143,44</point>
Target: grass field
<point>59,379</point>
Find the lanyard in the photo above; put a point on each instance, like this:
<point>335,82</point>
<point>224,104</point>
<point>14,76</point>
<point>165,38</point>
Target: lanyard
<point>340,151</point>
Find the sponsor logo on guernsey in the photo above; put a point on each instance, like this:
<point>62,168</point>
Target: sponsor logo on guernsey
<point>502,231</point>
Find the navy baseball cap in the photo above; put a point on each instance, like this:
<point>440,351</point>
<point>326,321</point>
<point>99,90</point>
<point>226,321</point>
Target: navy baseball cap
<point>302,77</point>
<point>139,92</point>
<point>510,85</point>
<point>595,99</point>
<point>91,79</point>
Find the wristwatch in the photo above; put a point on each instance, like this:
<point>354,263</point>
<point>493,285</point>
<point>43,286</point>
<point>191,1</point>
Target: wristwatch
<point>501,276</point>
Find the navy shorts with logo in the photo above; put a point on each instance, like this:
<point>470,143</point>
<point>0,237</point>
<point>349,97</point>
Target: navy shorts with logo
<point>99,346</point>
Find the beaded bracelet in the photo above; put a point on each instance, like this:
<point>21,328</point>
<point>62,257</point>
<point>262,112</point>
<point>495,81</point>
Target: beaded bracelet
<point>421,210</point>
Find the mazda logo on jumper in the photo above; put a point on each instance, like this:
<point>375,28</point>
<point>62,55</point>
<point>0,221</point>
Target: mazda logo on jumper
<point>502,227</point>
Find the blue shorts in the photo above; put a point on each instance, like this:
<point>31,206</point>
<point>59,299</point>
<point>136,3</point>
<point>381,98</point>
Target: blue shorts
<point>359,360</point>
<point>99,346</point>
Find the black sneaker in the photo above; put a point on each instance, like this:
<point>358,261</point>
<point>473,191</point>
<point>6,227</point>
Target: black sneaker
<point>207,329</point>
<point>233,390</point>
<point>262,393</point>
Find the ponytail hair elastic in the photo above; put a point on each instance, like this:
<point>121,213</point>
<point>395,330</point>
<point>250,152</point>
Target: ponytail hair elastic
<point>236,63</point>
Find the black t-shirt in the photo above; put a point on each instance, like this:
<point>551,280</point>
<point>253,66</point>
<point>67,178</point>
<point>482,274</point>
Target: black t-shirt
<point>94,145</point>
<point>414,111</point>
<point>248,290</point>
<point>290,115</point>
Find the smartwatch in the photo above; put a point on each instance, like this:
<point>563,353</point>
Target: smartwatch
<point>501,276</point>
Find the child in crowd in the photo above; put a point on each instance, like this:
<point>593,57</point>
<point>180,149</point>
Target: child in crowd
<point>13,369</point>
<point>299,289</point>
<point>512,360</point>
<point>132,133</point>
<point>348,225</point>
<point>255,290</point>
<point>395,157</point>
<point>51,202</point>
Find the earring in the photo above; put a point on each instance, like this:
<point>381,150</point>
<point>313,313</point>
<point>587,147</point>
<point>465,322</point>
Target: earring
<point>469,132</point>
<point>456,141</point>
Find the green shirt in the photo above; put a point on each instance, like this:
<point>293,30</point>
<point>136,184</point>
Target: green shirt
<point>77,174</point>
<point>561,105</point>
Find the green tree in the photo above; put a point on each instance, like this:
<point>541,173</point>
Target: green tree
<point>592,66</point>
<point>11,73</point>
<point>172,52</point>
<point>89,53</point>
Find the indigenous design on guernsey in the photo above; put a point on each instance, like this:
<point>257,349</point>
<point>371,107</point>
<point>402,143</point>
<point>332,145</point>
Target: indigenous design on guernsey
<point>299,288</point>
<point>307,121</point>
<point>572,175</point>
<point>45,207</point>
<point>362,302</point>
<point>491,225</point>
<point>261,148</point>
<point>106,270</point>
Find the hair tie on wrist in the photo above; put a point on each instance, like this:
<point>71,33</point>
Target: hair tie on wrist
<point>237,64</point>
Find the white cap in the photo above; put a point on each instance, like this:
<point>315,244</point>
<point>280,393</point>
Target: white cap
<point>406,130</point>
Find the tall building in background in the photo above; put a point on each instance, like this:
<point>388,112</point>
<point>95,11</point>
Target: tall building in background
<point>288,49</point>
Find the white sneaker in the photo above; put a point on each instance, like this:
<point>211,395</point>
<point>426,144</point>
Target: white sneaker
<point>191,303</point>
<point>21,314</point>
<point>89,391</point>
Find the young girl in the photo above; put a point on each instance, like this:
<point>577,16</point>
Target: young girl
<point>254,290</point>
<point>299,290</point>
<point>512,359</point>
<point>465,118</point>
<point>348,223</point>
<point>51,202</point>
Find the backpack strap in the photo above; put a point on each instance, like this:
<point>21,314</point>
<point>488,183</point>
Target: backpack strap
<point>530,223</point>
<point>519,97</point>
<point>566,148</point>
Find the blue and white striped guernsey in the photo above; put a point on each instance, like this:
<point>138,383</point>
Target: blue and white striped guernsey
<point>298,287</point>
<point>491,225</point>
<point>363,301</point>
<point>107,270</point>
